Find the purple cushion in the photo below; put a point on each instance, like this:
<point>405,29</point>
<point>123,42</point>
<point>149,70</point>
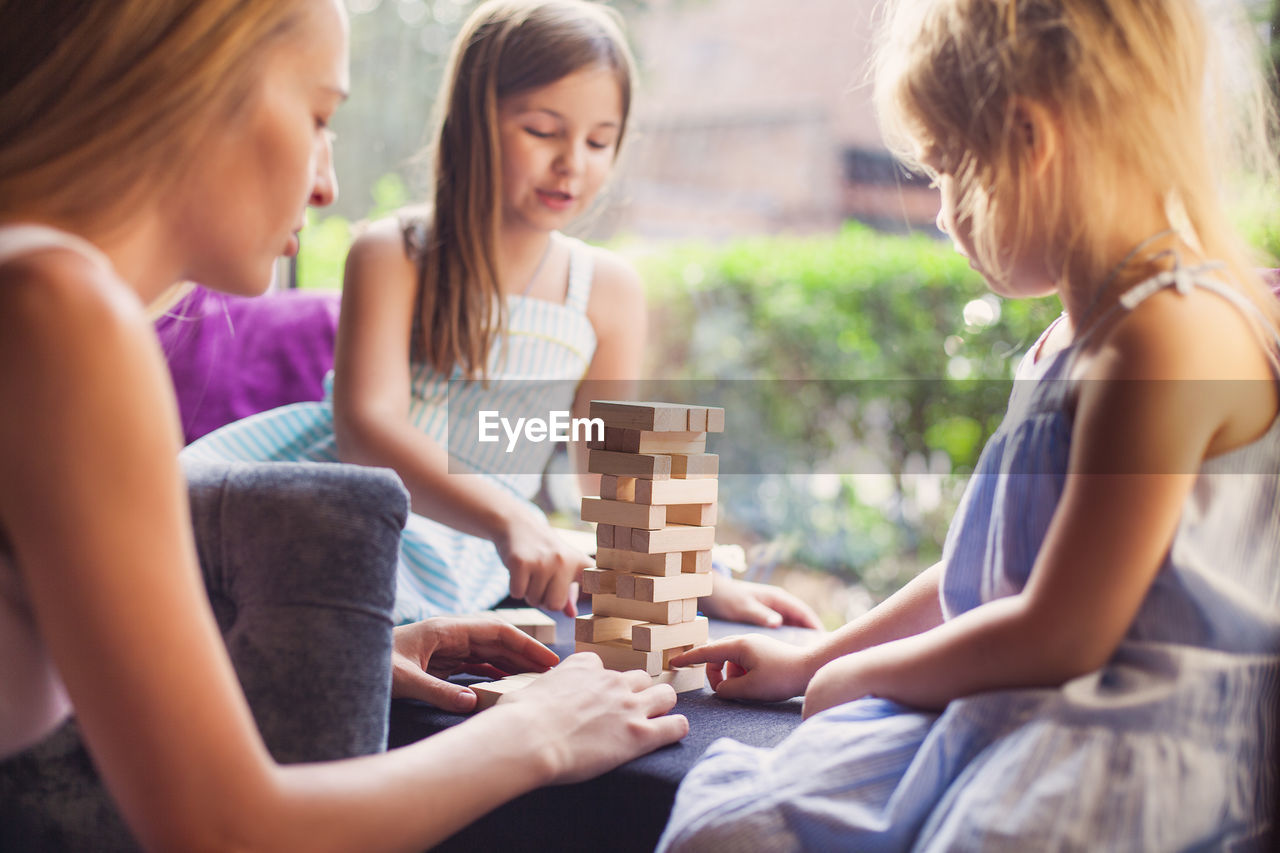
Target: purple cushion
<point>233,356</point>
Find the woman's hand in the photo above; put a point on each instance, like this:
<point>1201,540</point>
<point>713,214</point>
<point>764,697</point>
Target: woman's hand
<point>428,652</point>
<point>545,569</point>
<point>753,666</point>
<point>757,604</point>
<point>585,719</point>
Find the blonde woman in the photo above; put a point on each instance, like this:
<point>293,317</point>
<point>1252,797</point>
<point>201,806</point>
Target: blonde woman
<point>143,143</point>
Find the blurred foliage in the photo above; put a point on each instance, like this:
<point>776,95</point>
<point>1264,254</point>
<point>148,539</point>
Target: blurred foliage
<point>884,360</point>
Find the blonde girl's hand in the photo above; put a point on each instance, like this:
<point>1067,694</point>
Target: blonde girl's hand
<point>426,653</point>
<point>753,666</point>
<point>588,719</point>
<point>545,570</point>
<point>757,604</point>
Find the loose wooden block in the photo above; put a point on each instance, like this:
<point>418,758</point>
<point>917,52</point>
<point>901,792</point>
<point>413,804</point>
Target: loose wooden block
<point>715,419</point>
<point>673,537</point>
<point>695,561</point>
<point>489,692</point>
<point>599,629</point>
<point>618,655</point>
<point>646,564</point>
<point>648,466</point>
<point>683,678</point>
<point>531,620</point>
<point>662,612</point>
<point>698,514</point>
<point>644,516</point>
<point>615,488</point>
<point>657,417</point>
<point>647,441</point>
<point>651,637</point>
<point>600,580</point>
<point>676,491</point>
<point>695,466</point>
<point>604,536</point>
<point>668,654</point>
<point>646,588</point>
<point>698,418</point>
<point>688,609</point>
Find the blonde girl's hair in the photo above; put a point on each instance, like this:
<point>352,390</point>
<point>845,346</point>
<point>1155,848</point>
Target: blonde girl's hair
<point>101,104</point>
<point>1139,89</point>
<point>506,47</point>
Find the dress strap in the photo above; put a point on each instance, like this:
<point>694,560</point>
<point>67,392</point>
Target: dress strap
<point>1184,280</point>
<point>581,273</point>
<point>19,240</point>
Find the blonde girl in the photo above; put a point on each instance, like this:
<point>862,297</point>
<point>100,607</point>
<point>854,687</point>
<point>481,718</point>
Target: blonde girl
<point>144,143</point>
<point>1095,663</point>
<point>496,310</point>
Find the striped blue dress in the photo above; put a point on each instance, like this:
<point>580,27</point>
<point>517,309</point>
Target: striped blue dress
<point>534,370</point>
<point>1169,746</point>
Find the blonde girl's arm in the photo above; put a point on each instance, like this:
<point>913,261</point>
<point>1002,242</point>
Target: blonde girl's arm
<point>1145,420</point>
<point>94,506</point>
<point>371,422</point>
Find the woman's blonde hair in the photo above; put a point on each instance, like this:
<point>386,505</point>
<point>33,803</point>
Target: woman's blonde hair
<point>505,48</point>
<point>101,104</point>
<point>1139,89</point>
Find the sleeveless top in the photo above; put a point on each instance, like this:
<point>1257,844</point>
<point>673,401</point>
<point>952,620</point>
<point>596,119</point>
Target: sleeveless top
<point>33,700</point>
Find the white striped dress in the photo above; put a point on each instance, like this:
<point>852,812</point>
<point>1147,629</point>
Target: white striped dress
<point>1171,745</point>
<point>534,370</point>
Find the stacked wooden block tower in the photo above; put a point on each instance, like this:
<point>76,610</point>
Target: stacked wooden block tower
<point>655,518</point>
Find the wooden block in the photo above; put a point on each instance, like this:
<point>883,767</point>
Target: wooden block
<point>644,516</point>
<point>626,587</point>
<point>600,580</point>
<point>615,488</point>
<point>688,609</point>
<point>646,588</point>
<point>531,620</point>
<point>647,636</point>
<point>662,612</point>
<point>673,537</point>
<point>618,655</point>
<point>684,678</point>
<point>657,417</point>
<point>598,629</point>
<point>676,491</point>
<point>648,466</point>
<point>697,418</point>
<point>663,565</point>
<point>646,441</point>
<point>489,692</point>
<point>715,419</point>
<point>668,654</point>
<point>695,561</point>
<point>695,466</point>
<point>604,536</point>
<point>703,515</point>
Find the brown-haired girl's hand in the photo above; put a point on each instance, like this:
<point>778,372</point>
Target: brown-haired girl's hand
<point>753,666</point>
<point>587,720</point>
<point>428,652</point>
<point>757,604</point>
<point>545,570</point>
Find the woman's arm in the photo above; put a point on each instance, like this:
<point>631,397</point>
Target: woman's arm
<point>94,505</point>
<point>1147,415</point>
<point>371,422</point>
